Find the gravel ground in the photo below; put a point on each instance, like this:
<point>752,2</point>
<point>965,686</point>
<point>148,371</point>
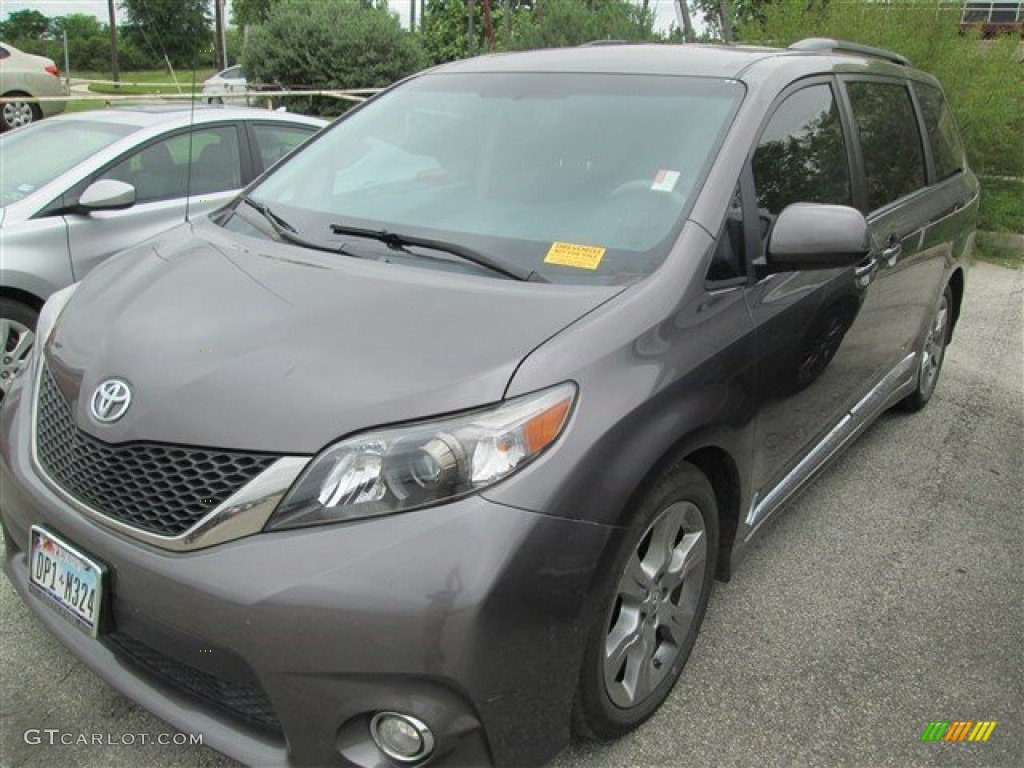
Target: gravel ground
<point>888,595</point>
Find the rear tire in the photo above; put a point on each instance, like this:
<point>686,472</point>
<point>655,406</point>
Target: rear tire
<point>931,355</point>
<point>653,605</point>
<point>15,114</point>
<point>17,335</point>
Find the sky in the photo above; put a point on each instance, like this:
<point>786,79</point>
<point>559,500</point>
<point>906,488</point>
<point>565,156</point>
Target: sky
<point>665,9</point>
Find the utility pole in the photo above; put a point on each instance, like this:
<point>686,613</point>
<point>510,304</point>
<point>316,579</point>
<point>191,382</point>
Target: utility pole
<point>412,15</point>
<point>219,54</point>
<point>115,65</point>
<point>223,30</point>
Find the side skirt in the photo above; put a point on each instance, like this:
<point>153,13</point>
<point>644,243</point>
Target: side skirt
<point>895,385</point>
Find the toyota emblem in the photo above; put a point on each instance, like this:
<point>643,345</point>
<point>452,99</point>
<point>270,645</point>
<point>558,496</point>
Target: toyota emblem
<point>110,401</point>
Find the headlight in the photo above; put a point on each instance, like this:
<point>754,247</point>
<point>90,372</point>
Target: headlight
<point>50,313</point>
<point>394,470</point>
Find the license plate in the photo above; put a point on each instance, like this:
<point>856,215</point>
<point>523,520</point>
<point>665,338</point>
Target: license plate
<point>69,581</point>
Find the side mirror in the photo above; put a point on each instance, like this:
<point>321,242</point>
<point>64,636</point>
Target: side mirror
<point>817,236</point>
<point>107,195</point>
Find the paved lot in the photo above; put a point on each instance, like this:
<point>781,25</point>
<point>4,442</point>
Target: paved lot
<point>890,594</point>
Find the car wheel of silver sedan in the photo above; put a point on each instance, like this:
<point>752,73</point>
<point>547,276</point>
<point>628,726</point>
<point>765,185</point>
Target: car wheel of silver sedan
<point>17,335</point>
<point>933,352</point>
<point>15,114</point>
<point>654,606</point>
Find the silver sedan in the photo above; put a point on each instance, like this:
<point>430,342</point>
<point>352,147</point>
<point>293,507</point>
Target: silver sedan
<point>79,187</point>
<point>28,77</point>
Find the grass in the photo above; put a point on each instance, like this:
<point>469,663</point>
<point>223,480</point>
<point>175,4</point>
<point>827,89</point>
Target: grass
<point>987,248</point>
<point>151,81</point>
<point>1002,205</point>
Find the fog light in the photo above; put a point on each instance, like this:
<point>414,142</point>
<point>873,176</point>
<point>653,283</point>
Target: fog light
<point>401,737</point>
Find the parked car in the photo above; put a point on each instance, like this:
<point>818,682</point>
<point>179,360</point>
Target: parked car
<point>25,75</point>
<point>226,87</point>
<point>82,186</point>
<point>428,448</point>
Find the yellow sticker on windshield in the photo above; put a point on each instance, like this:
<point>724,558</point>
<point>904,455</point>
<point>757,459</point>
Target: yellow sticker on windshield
<point>574,255</point>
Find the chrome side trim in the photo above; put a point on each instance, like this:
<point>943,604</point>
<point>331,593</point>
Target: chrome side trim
<point>851,425</point>
<point>242,514</point>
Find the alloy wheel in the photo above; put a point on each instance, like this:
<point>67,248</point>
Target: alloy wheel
<point>935,347</point>
<point>16,341</point>
<point>17,114</point>
<point>656,603</point>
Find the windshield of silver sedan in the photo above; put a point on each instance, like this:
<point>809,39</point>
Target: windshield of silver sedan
<point>577,177</point>
<point>35,155</point>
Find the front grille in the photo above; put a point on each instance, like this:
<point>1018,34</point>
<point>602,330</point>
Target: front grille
<point>247,702</point>
<point>161,489</point>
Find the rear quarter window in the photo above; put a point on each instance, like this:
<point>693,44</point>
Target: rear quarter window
<point>943,137</point>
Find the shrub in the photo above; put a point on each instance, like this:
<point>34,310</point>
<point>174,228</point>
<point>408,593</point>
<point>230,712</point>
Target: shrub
<point>330,44</point>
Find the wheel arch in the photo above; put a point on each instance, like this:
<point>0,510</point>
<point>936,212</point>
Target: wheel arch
<point>956,288</point>
<point>23,297</point>
<point>720,468</point>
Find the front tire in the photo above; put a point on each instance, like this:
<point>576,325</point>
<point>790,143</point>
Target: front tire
<point>933,352</point>
<point>653,606</point>
<point>17,335</point>
<point>15,114</point>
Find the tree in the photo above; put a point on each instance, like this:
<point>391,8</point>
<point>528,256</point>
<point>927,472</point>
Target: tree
<point>722,16</point>
<point>330,44</point>
<point>24,25</point>
<point>246,13</point>
<point>77,25</point>
<point>684,13</point>
<point>561,23</point>
<point>177,29</point>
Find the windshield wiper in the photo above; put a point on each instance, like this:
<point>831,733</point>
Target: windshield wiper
<point>288,233</point>
<point>400,242</point>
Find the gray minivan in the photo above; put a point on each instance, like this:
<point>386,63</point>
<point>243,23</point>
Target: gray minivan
<point>427,449</point>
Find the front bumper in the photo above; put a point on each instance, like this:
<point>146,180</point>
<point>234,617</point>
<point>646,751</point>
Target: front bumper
<point>279,647</point>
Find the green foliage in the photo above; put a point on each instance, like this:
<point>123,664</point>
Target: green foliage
<point>541,24</point>
<point>78,26</point>
<point>560,23</point>
<point>248,12</point>
<point>330,44</point>
<point>981,78</point>
<point>1002,205</point>
<point>88,40</point>
<point>24,25</point>
<point>178,29</point>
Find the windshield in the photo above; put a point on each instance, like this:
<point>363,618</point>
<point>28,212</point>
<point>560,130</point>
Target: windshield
<point>579,177</point>
<point>35,155</point>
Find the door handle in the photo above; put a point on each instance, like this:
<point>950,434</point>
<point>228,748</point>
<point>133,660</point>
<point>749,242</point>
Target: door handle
<point>892,251</point>
<point>864,273</point>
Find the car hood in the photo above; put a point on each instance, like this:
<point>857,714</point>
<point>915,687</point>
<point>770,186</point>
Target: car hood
<point>234,342</point>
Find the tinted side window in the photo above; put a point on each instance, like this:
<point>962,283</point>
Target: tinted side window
<point>802,156</point>
<point>889,140</point>
<point>160,171</point>
<point>947,151</point>
<point>276,141</point>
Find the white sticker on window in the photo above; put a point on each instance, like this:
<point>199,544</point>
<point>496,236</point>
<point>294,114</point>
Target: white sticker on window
<point>665,181</point>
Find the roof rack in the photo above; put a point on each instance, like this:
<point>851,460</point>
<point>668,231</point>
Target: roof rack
<point>596,43</point>
<point>842,46</point>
